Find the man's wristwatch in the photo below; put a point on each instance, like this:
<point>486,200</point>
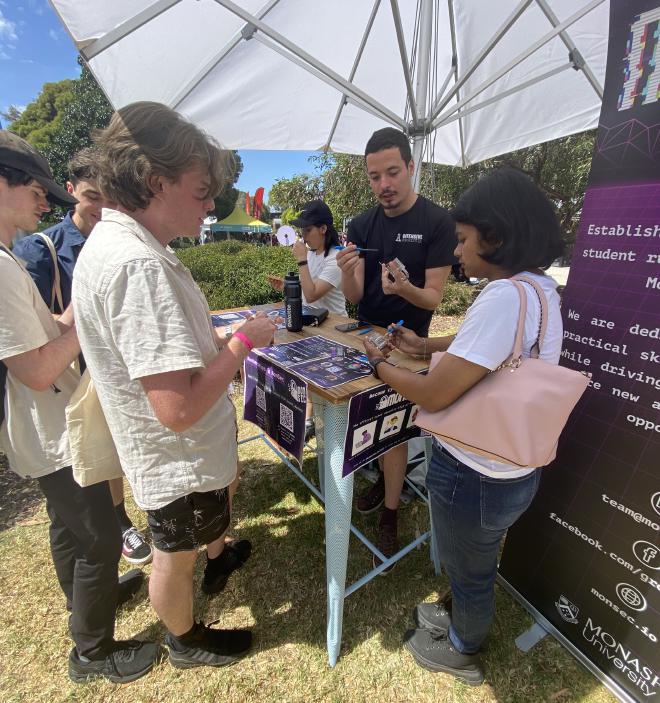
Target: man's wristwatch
<point>228,331</point>
<point>302,263</point>
<point>374,365</point>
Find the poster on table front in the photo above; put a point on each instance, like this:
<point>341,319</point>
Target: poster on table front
<point>378,419</point>
<point>586,555</point>
<point>275,400</point>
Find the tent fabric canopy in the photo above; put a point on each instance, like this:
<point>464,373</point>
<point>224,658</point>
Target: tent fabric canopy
<point>468,79</point>
<point>240,221</point>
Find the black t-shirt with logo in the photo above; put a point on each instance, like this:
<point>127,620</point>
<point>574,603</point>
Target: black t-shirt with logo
<point>423,238</point>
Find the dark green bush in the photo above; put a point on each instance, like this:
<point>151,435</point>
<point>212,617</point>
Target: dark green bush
<point>457,298</point>
<point>233,274</point>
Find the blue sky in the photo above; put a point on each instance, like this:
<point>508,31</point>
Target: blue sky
<point>36,49</point>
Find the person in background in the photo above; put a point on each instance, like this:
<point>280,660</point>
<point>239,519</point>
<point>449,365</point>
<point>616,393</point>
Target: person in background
<point>68,238</point>
<point>160,370</point>
<point>320,277</point>
<point>506,226</point>
<point>36,383</point>
<point>407,227</point>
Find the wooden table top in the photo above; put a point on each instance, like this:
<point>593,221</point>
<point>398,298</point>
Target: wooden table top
<point>342,393</point>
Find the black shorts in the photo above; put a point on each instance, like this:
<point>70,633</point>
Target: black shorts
<point>190,522</point>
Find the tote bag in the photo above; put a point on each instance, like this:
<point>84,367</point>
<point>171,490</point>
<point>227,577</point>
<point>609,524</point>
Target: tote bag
<point>517,412</point>
<point>93,454</point>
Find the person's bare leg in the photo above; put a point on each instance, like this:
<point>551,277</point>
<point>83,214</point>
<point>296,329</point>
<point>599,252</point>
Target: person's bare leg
<point>171,589</point>
<point>394,472</point>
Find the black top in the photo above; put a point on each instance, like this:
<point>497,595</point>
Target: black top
<point>423,238</point>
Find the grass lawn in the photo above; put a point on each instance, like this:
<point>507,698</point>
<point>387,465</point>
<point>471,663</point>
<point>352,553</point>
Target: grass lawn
<point>280,593</point>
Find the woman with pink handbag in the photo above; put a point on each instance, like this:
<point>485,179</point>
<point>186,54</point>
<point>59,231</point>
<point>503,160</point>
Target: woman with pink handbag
<point>506,227</point>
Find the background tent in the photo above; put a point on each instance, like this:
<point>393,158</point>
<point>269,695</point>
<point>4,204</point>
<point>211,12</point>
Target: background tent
<point>467,79</point>
<point>240,221</point>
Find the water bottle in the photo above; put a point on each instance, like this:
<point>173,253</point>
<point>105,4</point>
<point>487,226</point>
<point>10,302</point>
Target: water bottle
<point>293,302</point>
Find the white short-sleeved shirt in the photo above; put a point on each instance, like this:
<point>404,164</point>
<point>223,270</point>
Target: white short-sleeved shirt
<point>33,434</point>
<point>139,313</point>
<point>325,268</point>
<point>486,338</point>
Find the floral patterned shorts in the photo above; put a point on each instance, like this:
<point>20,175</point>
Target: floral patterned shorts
<point>190,522</point>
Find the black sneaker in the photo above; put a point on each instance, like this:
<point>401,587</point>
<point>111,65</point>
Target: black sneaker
<point>128,661</point>
<point>388,544</point>
<point>208,647</point>
<point>434,651</point>
<point>218,570</point>
<point>129,585</point>
<point>373,497</point>
<point>433,616</point>
<point>135,548</point>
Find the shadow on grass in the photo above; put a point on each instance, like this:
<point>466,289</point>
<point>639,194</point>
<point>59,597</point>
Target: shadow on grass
<point>284,587</point>
<point>19,497</point>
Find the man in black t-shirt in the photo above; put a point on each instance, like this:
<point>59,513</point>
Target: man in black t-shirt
<point>421,235</point>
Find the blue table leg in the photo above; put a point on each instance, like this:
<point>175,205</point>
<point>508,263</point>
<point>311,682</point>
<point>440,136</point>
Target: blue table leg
<point>338,495</point>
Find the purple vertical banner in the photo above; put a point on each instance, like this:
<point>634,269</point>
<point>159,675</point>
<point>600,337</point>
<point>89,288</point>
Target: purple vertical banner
<point>378,419</point>
<point>586,555</point>
<point>275,400</point>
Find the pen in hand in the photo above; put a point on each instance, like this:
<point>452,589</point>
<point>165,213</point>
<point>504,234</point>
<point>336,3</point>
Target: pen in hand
<point>341,247</point>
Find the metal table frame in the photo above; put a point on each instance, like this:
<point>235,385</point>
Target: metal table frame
<point>336,494</point>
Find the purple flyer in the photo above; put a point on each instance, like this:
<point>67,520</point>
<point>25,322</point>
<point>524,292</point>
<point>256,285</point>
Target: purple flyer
<point>275,401</point>
<point>378,419</point>
<point>321,361</point>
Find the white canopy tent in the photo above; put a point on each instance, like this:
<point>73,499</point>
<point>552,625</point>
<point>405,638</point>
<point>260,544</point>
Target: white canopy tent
<point>467,79</point>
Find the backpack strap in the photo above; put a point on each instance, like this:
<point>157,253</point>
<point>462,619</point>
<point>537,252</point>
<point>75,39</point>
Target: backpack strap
<point>56,293</point>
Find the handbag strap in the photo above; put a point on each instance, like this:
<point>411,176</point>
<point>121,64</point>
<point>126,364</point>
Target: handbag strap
<point>516,355</point>
<point>56,293</point>
<point>543,322</point>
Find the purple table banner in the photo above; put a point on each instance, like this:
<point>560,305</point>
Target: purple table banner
<point>378,419</point>
<point>275,401</point>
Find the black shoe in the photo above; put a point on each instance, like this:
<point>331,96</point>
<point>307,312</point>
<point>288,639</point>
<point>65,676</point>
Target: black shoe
<point>134,547</point>
<point>372,498</point>
<point>208,647</point>
<point>129,585</point>
<point>218,570</point>
<point>128,661</point>
<point>434,651</point>
<point>433,616</point>
<point>388,544</point>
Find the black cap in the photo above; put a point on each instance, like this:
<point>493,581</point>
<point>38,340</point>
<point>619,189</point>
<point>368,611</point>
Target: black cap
<point>17,153</point>
<point>314,213</point>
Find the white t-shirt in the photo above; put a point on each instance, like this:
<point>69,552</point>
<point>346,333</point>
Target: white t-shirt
<point>138,313</point>
<point>325,268</point>
<point>33,434</point>
<point>486,338</point>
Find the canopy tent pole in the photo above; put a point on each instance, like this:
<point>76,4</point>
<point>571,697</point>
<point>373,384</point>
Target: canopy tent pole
<point>412,98</point>
<point>308,62</point>
<point>210,65</point>
<point>517,60</point>
<point>420,126</point>
<point>579,62</point>
<point>351,76</point>
<point>454,50</point>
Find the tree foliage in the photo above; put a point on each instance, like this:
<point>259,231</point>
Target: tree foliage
<point>228,197</point>
<point>294,192</point>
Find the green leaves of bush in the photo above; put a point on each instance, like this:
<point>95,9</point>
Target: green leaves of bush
<point>233,274</point>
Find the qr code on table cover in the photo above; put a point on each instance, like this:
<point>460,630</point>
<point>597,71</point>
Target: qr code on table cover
<point>261,398</point>
<point>286,417</point>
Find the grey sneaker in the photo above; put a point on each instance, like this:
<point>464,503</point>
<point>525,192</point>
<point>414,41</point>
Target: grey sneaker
<point>129,660</point>
<point>434,651</point>
<point>208,647</point>
<point>433,616</point>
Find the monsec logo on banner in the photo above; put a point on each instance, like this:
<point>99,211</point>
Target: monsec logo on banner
<point>642,68</point>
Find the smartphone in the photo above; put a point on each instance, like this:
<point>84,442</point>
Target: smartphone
<point>350,326</point>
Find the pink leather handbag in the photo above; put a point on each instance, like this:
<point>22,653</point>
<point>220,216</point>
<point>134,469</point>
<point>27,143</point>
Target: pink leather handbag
<point>517,412</point>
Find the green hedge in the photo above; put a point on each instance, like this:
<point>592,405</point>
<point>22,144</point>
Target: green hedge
<point>232,274</point>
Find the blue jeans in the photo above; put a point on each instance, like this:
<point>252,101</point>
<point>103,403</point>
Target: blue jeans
<point>471,513</point>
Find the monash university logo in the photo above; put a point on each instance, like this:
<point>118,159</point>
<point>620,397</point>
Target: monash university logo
<point>567,610</point>
<point>298,393</point>
<point>641,66</point>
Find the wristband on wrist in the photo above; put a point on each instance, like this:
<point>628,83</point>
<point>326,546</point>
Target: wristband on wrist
<point>245,340</point>
<point>302,263</point>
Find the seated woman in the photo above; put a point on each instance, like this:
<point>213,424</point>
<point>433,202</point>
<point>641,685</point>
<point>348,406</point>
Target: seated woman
<point>505,226</point>
<point>320,277</point>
